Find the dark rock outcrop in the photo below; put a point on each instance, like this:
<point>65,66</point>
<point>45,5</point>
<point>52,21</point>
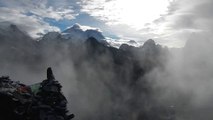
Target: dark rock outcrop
<point>43,101</point>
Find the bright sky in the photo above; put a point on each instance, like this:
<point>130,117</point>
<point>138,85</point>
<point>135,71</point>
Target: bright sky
<point>134,13</point>
<point>168,22</point>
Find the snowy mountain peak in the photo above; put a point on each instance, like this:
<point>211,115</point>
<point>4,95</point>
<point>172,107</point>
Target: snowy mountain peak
<point>76,26</point>
<point>79,33</point>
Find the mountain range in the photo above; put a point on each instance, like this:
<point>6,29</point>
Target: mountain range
<point>101,81</point>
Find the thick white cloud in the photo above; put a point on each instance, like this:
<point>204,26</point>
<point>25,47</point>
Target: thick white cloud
<point>134,19</point>
<point>43,8</point>
<point>127,18</point>
<point>29,15</point>
<point>134,13</point>
<point>184,19</point>
<point>31,24</point>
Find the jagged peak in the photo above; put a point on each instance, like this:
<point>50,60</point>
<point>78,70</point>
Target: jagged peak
<point>149,42</point>
<point>76,26</point>
<point>124,46</point>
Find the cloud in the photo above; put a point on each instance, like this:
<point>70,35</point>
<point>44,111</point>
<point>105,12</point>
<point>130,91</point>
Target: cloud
<point>130,12</point>
<point>169,23</point>
<point>136,19</point>
<point>42,8</point>
<point>188,73</point>
<point>31,24</point>
<point>172,27</point>
<point>184,18</point>
<point>30,15</point>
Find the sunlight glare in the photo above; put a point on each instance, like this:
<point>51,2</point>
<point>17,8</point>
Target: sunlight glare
<point>135,13</point>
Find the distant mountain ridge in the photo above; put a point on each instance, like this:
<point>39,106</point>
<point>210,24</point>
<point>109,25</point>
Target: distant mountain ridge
<point>75,34</point>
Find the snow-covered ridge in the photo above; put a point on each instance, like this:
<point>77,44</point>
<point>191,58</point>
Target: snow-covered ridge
<point>80,33</point>
<point>74,34</point>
